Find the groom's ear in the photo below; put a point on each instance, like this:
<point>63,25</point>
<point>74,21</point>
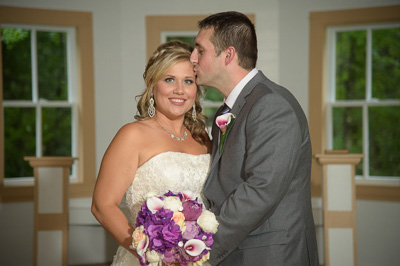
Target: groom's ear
<point>230,54</point>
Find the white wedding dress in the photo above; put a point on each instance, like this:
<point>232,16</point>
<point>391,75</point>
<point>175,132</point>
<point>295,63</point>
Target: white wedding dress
<point>173,171</point>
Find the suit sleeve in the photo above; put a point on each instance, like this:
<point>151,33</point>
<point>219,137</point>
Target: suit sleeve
<point>272,144</point>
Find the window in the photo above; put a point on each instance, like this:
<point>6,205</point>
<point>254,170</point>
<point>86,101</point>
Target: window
<point>47,97</point>
<point>353,113</point>
<point>363,99</point>
<point>39,95</point>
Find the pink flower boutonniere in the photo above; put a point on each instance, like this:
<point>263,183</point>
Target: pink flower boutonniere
<point>224,122</point>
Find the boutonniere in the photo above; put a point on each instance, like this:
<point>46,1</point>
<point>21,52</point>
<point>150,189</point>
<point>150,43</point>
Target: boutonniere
<point>224,122</point>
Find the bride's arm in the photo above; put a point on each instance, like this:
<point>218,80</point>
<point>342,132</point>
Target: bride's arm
<point>116,174</point>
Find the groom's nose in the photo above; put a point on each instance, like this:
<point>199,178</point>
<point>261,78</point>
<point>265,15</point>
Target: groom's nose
<point>194,57</point>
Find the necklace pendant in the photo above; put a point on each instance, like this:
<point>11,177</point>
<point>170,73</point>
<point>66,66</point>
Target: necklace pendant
<point>172,135</point>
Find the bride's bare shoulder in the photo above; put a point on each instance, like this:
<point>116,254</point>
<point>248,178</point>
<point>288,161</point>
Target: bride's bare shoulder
<point>134,132</point>
<point>137,127</point>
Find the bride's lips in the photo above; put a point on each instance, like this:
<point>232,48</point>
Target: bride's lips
<point>177,101</point>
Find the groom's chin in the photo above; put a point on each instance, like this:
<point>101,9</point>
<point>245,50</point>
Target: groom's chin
<point>199,82</point>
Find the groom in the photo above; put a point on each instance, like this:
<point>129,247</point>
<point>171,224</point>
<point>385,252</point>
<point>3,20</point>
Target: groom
<point>259,180</point>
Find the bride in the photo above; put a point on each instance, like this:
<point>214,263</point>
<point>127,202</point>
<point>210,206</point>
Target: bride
<point>167,148</point>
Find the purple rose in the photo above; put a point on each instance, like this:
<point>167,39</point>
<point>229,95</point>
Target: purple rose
<point>172,234</point>
<point>192,210</point>
<point>155,238</point>
<point>143,215</point>
<point>192,230</point>
<point>164,216</point>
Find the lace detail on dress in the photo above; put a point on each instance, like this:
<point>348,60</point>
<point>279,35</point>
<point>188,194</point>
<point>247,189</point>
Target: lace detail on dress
<point>173,171</point>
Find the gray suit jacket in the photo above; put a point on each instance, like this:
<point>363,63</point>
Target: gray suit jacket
<point>259,186</point>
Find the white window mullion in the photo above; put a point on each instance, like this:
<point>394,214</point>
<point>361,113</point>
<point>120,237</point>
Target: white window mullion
<point>368,99</point>
<point>35,93</point>
<point>329,126</point>
<point>72,96</point>
<point>38,130</point>
<point>368,65</point>
<point>365,141</point>
<point>330,83</point>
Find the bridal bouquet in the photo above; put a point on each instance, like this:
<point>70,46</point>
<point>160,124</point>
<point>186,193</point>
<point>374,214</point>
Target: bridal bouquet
<point>174,228</point>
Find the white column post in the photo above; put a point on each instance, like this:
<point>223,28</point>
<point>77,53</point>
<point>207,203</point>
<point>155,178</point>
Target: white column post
<point>339,207</point>
<point>51,195</point>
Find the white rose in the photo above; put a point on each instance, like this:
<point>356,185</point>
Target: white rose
<point>208,222</point>
<point>173,203</point>
<point>153,256</point>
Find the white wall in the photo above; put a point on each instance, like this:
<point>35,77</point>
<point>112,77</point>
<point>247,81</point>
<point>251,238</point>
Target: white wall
<point>119,54</point>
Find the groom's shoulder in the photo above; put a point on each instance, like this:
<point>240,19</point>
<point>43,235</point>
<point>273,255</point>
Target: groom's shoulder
<point>267,86</point>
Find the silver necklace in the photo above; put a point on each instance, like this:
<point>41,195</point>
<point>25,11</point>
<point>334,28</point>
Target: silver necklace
<point>172,135</point>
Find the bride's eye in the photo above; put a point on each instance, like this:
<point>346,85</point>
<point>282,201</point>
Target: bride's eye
<point>169,80</point>
<point>189,81</point>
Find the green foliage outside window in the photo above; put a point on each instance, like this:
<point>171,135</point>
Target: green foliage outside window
<point>17,71</point>
<point>19,136</point>
<point>386,64</point>
<point>52,66</point>
<point>350,66</point>
<point>384,141</point>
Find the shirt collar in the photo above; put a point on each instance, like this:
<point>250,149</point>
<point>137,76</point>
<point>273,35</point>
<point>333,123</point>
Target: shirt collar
<point>231,99</point>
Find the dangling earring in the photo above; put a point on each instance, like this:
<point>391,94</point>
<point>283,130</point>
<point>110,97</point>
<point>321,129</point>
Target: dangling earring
<point>194,115</point>
<point>151,109</point>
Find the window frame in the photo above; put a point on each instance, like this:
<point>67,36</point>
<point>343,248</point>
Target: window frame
<point>83,184</point>
<point>318,67</point>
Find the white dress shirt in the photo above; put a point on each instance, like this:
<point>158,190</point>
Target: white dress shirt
<point>231,99</point>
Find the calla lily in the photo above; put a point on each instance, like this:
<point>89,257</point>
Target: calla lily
<point>224,120</point>
<point>189,195</point>
<point>142,247</point>
<point>154,204</point>
<point>194,247</point>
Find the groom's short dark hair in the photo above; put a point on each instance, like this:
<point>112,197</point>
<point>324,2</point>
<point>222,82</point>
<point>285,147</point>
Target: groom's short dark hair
<point>235,29</point>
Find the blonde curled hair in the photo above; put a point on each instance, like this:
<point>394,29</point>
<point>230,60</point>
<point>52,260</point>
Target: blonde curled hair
<point>166,56</point>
